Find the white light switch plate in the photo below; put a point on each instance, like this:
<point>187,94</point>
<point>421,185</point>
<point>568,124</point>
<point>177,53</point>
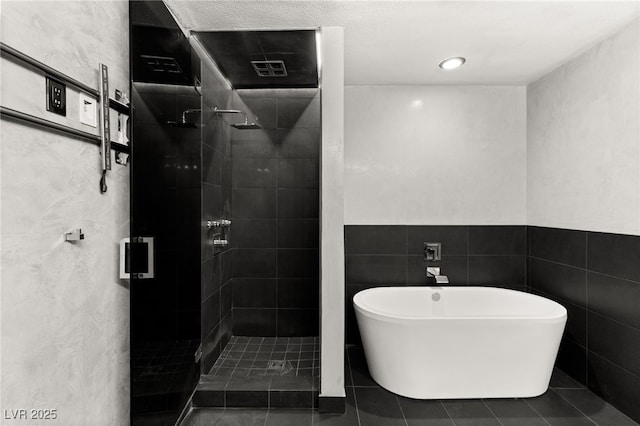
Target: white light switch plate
<point>87,106</point>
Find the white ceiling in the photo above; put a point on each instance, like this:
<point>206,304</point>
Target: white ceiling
<point>401,42</point>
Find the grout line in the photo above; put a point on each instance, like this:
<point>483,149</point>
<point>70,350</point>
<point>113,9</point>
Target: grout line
<point>537,412</point>
<point>491,411</point>
<point>579,410</point>
<point>447,411</point>
<point>586,308</point>
<point>401,410</point>
<point>355,398</point>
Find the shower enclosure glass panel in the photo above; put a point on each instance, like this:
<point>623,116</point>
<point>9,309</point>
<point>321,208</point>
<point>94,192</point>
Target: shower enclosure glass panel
<point>165,205</point>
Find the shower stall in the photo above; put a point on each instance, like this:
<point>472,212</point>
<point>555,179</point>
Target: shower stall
<point>225,179</point>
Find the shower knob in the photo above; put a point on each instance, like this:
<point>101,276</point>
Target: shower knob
<point>220,243</point>
<point>218,223</point>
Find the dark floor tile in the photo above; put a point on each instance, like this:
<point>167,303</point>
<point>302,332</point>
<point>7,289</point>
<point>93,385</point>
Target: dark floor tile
<point>378,407</point>
<point>557,411</point>
<point>426,412</point>
<point>201,417</point>
<point>242,417</point>
<point>615,298</point>
<point>565,282</point>
<point>615,342</point>
<point>558,245</point>
<point>497,240</point>
<point>470,412</point>
<point>248,384</point>
<point>348,418</point>
<point>614,254</point>
<point>375,239</point>
<point>289,417</point>
<point>595,408</point>
<point>515,412</point>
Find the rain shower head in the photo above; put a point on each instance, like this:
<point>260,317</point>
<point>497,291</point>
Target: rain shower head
<point>246,126</point>
<point>240,126</point>
<point>184,124</point>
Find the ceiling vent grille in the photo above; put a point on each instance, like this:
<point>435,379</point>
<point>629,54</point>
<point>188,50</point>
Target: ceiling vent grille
<point>161,64</point>
<point>270,68</point>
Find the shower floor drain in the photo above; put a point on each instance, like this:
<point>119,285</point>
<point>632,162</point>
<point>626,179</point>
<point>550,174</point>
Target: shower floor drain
<point>280,366</point>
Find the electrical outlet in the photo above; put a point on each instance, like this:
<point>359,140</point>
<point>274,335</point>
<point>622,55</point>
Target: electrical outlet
<point>56,97</point>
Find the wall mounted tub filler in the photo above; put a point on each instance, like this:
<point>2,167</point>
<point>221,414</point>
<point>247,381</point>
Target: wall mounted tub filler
<point>418,345</point>
<point>433,275</point>
<point>240,126</point>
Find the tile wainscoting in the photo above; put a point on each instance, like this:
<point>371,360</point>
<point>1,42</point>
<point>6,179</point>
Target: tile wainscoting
<point>382,255</point>
<point>596,276</point>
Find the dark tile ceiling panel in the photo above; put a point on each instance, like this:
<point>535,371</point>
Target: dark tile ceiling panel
<point>233,51</point>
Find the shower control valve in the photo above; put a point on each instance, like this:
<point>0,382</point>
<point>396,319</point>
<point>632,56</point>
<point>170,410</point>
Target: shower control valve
<point>218,223</point>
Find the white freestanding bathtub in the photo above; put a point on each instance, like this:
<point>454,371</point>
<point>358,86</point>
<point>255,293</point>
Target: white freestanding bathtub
<point>459,342</point>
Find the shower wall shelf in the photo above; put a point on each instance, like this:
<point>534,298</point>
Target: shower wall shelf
<point>102,95</point>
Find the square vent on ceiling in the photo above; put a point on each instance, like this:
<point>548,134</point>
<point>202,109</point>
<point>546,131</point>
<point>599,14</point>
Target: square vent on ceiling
<point>270,68</point>
<point>161,64</point>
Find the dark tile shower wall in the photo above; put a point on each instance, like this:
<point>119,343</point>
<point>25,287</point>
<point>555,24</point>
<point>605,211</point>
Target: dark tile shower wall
<point>275,213</point>
<point>387,255</point>
<point>216,205</point>
<point>596,276</point>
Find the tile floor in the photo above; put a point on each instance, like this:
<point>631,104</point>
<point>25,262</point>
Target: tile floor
<point>269,356</point>
<point>567,403</point>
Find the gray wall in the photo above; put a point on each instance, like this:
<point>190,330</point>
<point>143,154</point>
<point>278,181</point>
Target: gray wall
<point>65,313</point>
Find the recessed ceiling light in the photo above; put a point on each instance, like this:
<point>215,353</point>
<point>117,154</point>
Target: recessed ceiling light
<point>452,63</point>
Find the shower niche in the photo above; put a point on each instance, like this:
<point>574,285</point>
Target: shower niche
<point>225,178</point>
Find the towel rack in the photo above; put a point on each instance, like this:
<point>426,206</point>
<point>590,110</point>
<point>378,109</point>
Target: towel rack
<point>102,96</point>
